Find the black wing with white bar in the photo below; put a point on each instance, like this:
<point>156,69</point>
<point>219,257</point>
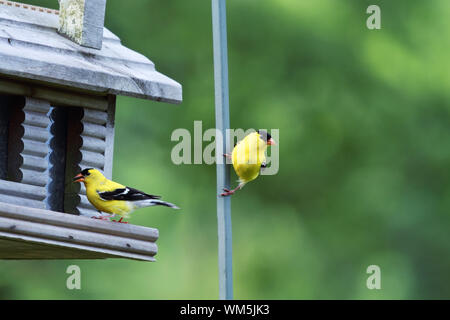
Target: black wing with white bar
<point>126,194</point>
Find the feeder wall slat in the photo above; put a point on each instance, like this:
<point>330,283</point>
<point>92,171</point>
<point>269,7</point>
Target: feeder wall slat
<point>93,144</point>
<point>95,116</point>
<point>34,178</point>
<point>92,159</point>
<point>36,119</point>
<point>34,163</point>
<point>22,190</point>
<point>20,200</point>
<point>35,133</point>
<point>35,148</point>
<point>37,105</point>
<point>93,130</point>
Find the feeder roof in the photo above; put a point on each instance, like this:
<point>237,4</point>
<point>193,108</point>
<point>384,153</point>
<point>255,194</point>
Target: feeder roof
<point>31,48</point>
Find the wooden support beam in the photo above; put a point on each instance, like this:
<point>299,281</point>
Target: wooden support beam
<point>82,21</point>
<point>58,97</point>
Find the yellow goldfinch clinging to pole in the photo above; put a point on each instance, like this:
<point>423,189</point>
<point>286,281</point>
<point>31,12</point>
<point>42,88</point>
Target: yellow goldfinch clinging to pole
<point>249,157</point>
<point>111,197</point>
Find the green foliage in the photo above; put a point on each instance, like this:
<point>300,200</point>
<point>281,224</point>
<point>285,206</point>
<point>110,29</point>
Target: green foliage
<point>364,146</point>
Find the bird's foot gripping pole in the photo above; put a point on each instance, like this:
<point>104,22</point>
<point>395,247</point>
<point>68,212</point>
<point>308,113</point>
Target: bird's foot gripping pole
<point>229,192</point>
<point>228,158</point>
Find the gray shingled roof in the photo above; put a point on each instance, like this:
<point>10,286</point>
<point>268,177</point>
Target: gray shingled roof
<point>31,48</point>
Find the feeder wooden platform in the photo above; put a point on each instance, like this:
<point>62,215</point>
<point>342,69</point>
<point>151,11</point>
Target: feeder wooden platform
<point>30,233</point>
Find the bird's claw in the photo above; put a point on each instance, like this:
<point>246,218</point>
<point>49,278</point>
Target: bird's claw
<point>120,221</point>
<point>101,218</point>
<point>227,192</point>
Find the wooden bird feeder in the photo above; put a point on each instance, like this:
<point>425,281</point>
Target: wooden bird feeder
<point>60,72</point>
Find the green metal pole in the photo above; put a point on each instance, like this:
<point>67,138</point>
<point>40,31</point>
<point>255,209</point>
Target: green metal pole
<point>223,171</point>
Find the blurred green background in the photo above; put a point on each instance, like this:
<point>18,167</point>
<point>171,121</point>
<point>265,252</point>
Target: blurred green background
<point>364,120</point>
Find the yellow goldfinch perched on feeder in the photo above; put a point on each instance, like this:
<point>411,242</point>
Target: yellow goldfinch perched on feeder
<point>249,157</point>
<point>114,198</point>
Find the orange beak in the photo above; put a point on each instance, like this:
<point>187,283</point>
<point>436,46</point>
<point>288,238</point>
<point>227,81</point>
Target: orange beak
<point>78,178</point>
<point>271,142</point>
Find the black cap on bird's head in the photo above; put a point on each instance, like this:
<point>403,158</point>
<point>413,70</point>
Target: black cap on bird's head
<point>264,135</point>
<point>86,172</point>
<point>80,177</point>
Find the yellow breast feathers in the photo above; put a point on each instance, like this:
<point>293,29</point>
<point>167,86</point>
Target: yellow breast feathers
<point>247,157</point>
